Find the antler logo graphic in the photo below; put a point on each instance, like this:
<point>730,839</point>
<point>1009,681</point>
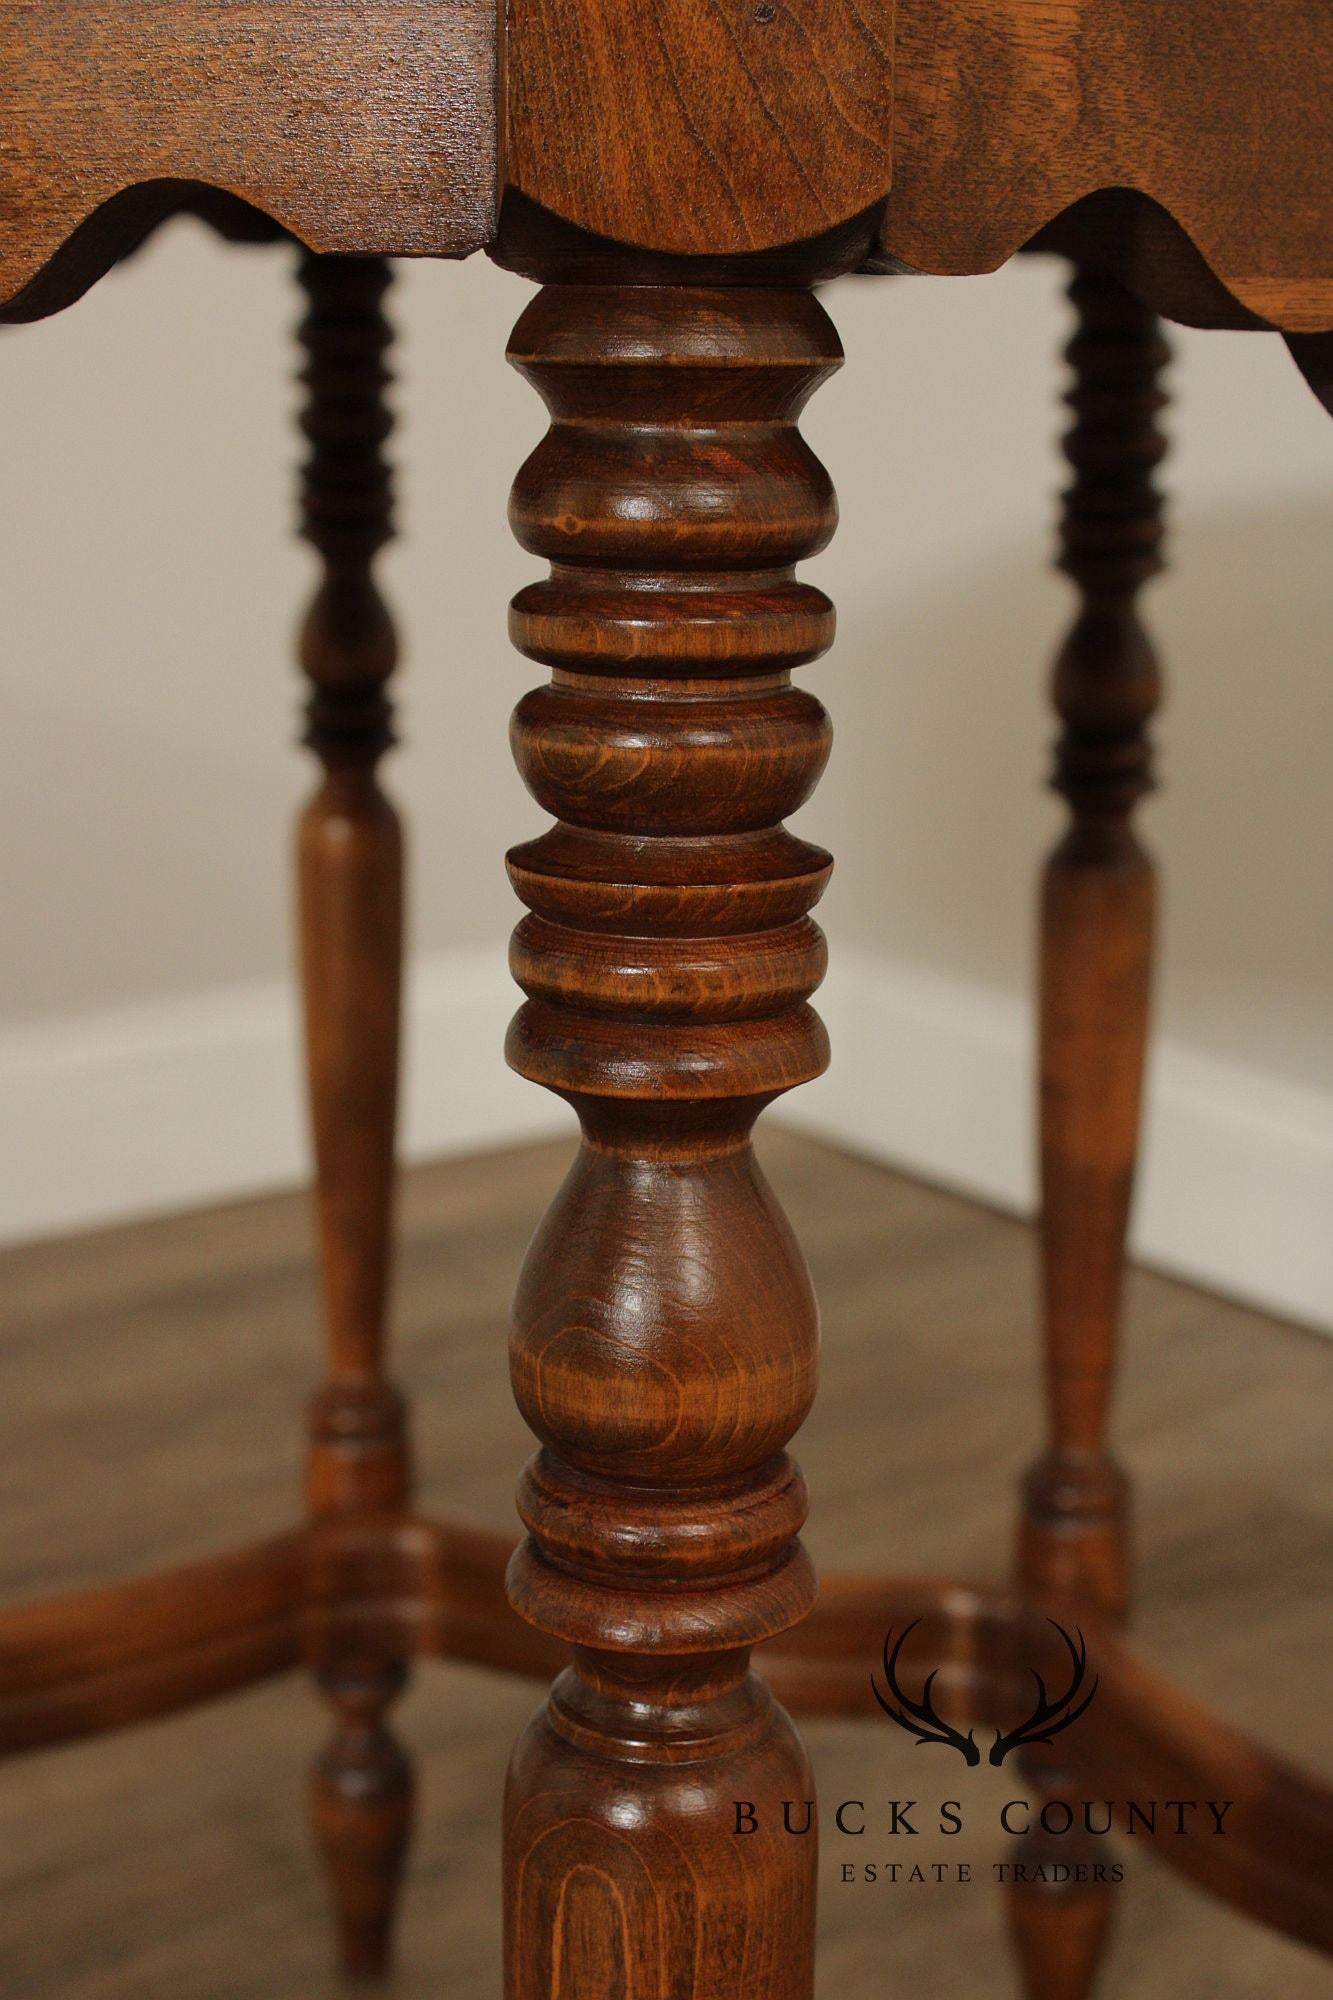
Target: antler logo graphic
<point>1046,1721</point>
<point>1048,1718</point>
<point>918,1718</point>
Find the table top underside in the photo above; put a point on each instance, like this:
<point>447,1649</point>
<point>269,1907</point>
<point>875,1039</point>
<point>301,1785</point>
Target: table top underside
<point>1192,147</point>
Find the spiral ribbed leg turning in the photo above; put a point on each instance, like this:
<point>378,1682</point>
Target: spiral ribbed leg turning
<point>664,1335</point>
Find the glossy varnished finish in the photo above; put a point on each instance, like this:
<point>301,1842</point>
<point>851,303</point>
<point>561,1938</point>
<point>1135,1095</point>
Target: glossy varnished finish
<point>1097,916</point>
<point>351,909</point>
<point>665,1334</point>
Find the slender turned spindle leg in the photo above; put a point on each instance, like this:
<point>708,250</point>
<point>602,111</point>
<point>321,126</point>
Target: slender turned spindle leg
<point>351,908</point>
<point>664,1337</point>
<point>1096,944</point>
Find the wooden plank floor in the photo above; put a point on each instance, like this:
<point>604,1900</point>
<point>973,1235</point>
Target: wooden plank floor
<point>150,1384</point>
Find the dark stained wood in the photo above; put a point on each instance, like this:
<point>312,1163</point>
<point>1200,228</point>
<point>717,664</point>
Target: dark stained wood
<point>744,128</point>
<point>361,1798</point>
<point>1150,254</point>
<point>361,1589</point>
<point>1313,355</point>
<point>664,1334</point>
<point>357,127</point>
<point>1008,111</point>
<point>1097,920</point>
<point>351,906</point>
<point>1200,134</point>
<point>429,1588</point>
<point>734,127</point>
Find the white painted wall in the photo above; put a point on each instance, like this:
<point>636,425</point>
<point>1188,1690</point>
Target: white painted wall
<point>147,720</point>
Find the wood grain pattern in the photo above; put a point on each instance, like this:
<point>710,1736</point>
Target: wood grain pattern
<point>350,869</point>
<point>737,129</point>
<point>1200,135</point>
<point>664,1333</point>
<point>1008,111</point>
<point>358,127</point>
<point>715,128</point>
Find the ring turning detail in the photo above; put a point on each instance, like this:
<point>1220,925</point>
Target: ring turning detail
<point>677,178</point>
<point>665,1333</point>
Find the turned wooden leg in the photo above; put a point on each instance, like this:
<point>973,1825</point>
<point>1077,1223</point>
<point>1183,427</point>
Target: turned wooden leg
<point>664,1334</point>
<point>350,867</point>
<point>1096,943</point>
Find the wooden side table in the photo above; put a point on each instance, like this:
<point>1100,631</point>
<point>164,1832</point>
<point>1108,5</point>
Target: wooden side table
<point>678,178</point>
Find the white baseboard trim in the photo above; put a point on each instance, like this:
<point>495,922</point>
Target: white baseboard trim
<point>933,1075</point>
<point>197,1100</point>
<point>181,1102</point>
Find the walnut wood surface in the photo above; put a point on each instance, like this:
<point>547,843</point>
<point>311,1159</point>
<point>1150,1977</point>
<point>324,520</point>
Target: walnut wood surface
<point>1200,135</point>
<point>981,121</point>
<point>710,129</point>
<point>664,1334</point>
<point>350,871</point>
<point>359,127</point>
<point>1008,111</point>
